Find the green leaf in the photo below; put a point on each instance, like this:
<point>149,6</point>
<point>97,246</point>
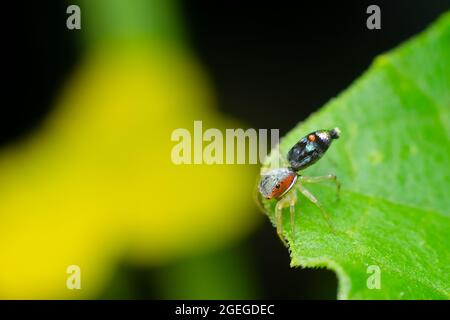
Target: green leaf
<point>393,160</point>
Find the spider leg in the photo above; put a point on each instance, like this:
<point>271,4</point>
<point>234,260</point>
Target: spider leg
<point>313,199</point>
<point>330,177</point>
<point>279,221</point>
<point>289,200</point>
<point>292,203</point>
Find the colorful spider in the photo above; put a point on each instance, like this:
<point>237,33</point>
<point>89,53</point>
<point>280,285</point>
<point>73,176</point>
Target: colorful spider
<point>279,183</point>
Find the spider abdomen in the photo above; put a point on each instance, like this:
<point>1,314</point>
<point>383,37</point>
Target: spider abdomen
<point>311,148</point>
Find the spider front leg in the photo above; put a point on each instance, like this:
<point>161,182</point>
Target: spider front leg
<point>328,177</point>
<point>316,202</point>
<point>289,200</point>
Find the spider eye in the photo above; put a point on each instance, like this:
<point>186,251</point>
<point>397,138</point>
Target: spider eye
<point>278,186</point>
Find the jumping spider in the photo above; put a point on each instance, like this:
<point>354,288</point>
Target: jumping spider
<point>279,183</point>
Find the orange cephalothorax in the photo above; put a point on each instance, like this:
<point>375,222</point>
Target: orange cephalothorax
<point>277,182</point>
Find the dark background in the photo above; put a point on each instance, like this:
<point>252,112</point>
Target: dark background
<point>271,64</point>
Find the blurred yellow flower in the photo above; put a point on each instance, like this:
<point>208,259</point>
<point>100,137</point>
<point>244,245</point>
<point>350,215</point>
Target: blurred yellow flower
<point>96,183</point>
